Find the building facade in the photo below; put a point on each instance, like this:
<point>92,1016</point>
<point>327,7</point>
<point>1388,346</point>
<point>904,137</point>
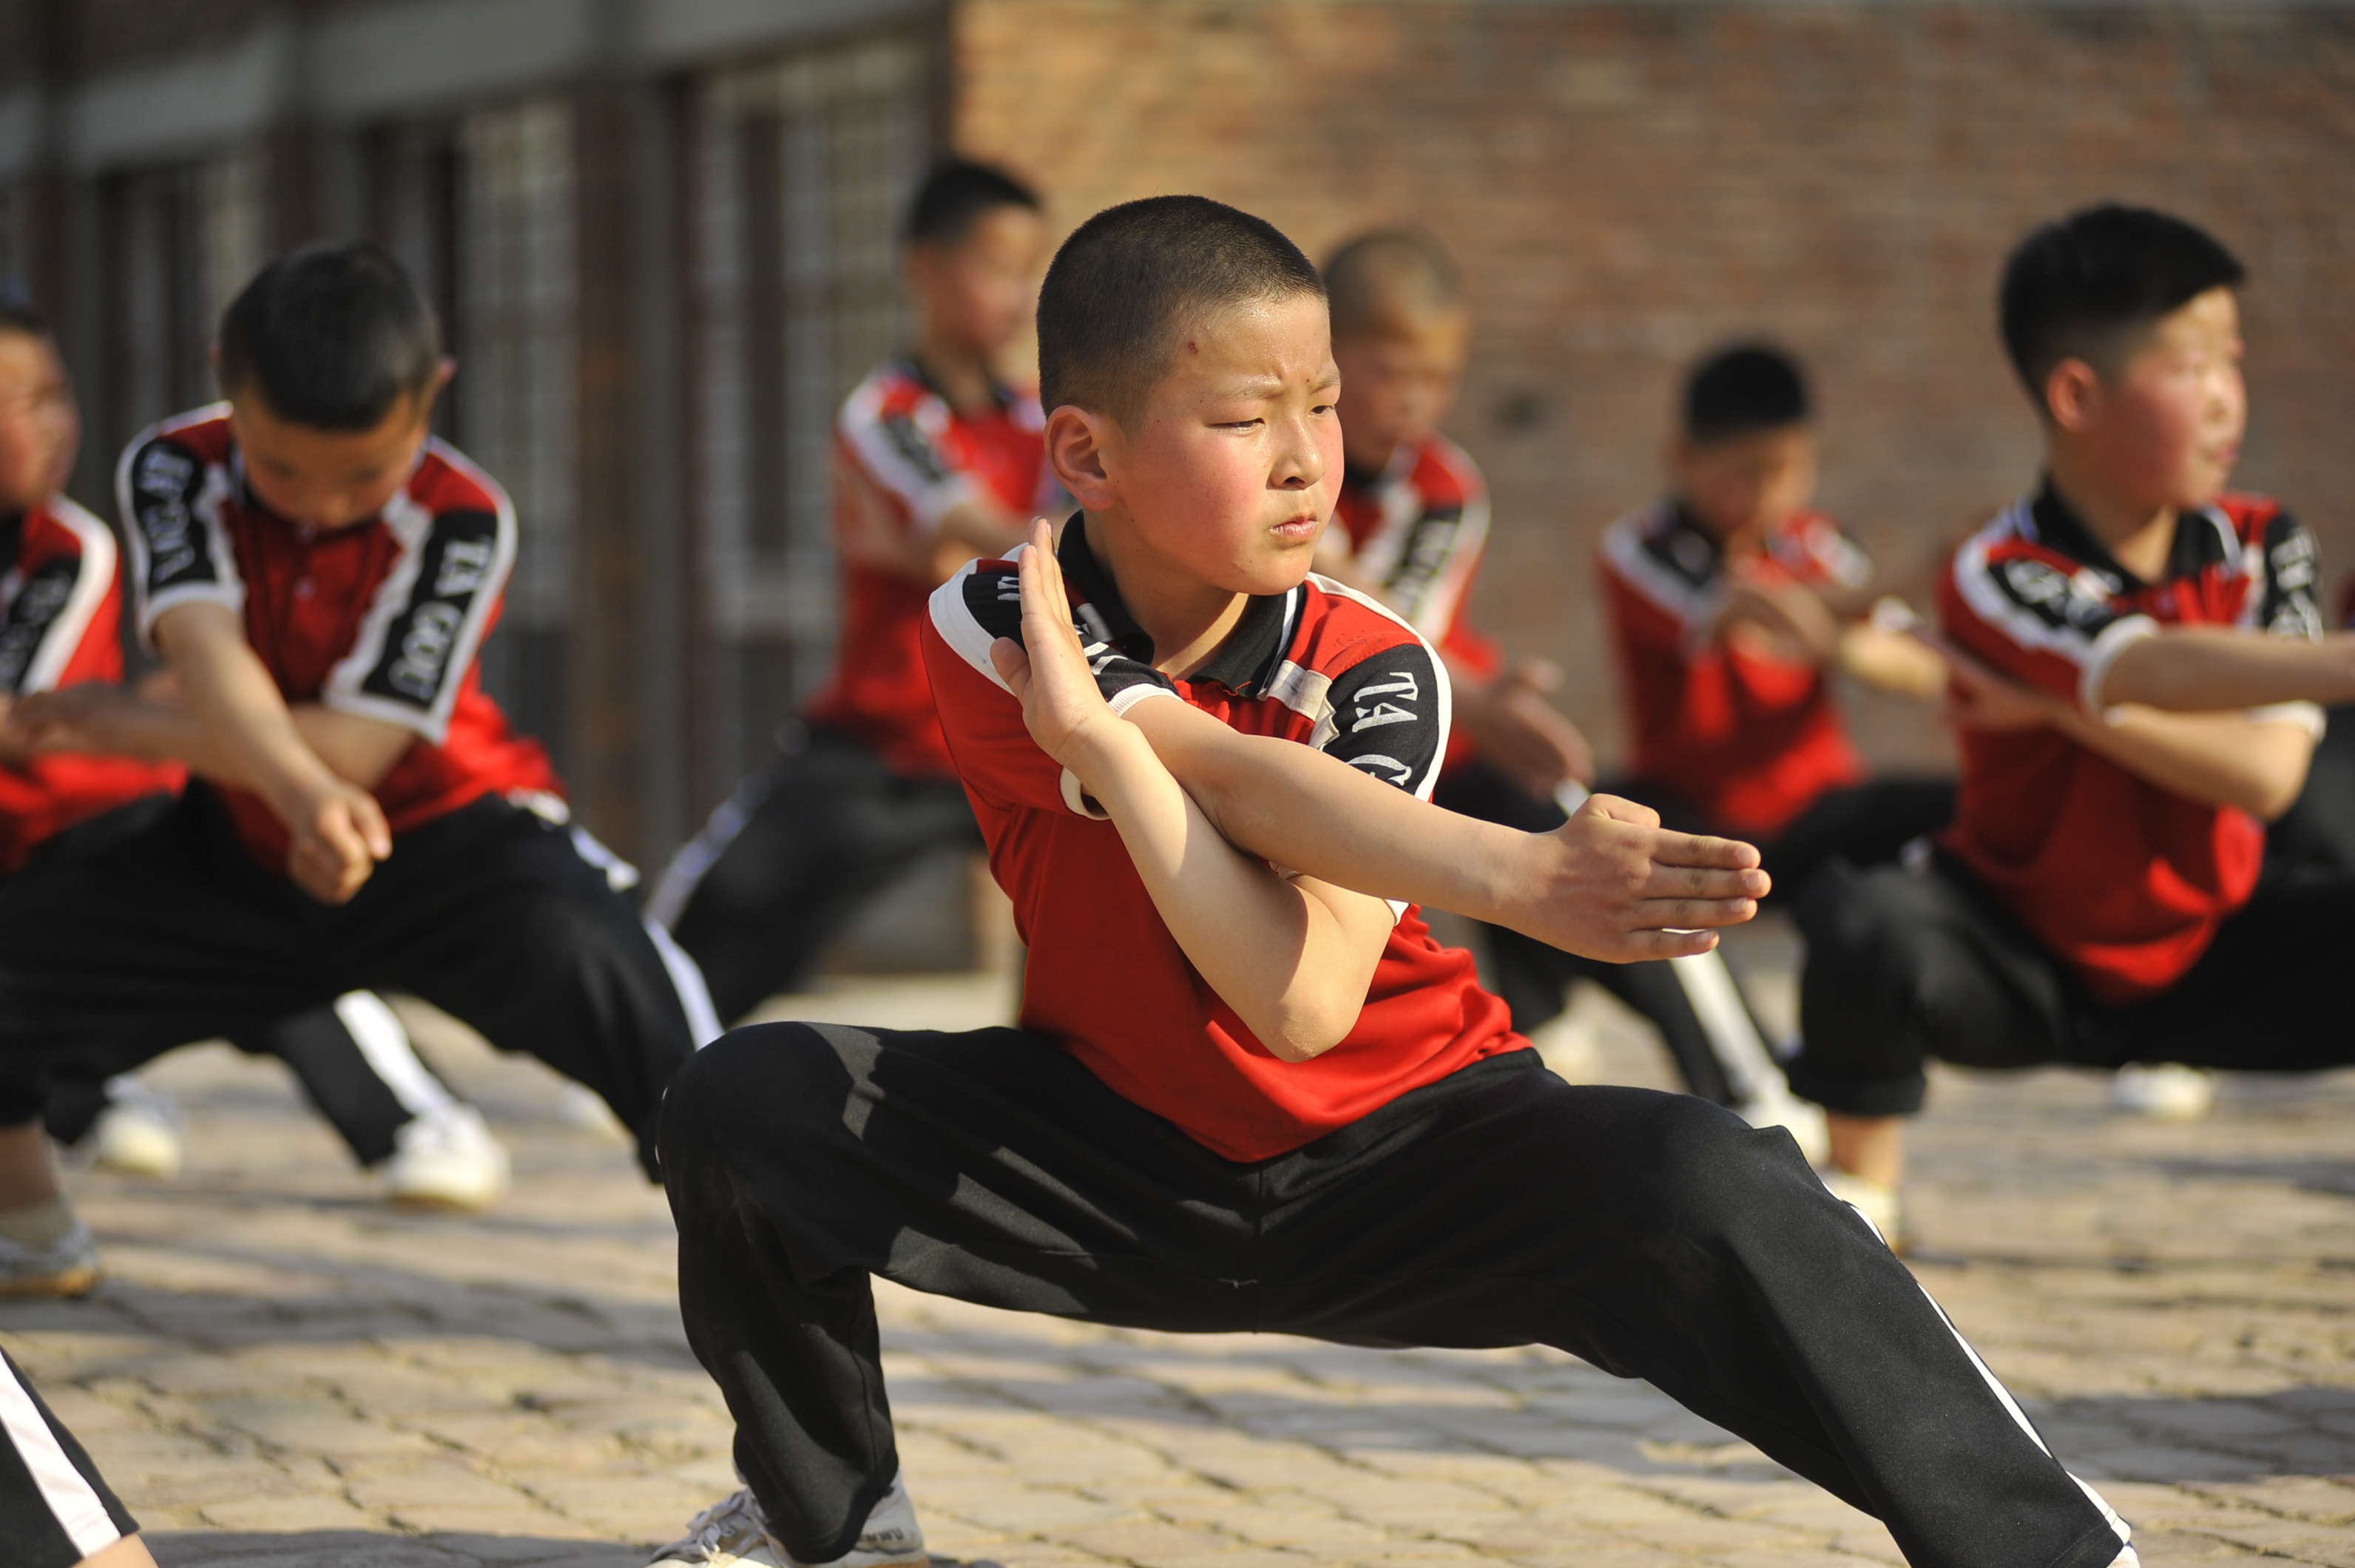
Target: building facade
<point>659,234</point>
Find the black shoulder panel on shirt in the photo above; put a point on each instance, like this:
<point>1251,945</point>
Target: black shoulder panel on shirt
<point>1386,716</point>
<point>1430,546</point>
<point>166,480</point>
<point>993,597</point>
<point>454,566</point>
<point>30,615</point>
<point>2052,596</point>
<point>915,448</point>
<point>2292,568</point>
<point>1682,550</point>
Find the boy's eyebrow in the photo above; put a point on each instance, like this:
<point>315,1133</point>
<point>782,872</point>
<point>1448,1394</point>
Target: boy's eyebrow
<point>1272,385</point>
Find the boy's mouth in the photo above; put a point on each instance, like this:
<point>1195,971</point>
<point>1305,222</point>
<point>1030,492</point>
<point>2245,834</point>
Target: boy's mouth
<point>1294,530</point>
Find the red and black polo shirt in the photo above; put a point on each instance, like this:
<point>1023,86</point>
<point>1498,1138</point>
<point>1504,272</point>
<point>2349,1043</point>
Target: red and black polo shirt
<point>382,619</point>
<point>1320,665</point>
<point>1418,528</point>
<point>926,458</point>
<point>1746,738</point>
<point>2124,880</point>
<point>60,621</point>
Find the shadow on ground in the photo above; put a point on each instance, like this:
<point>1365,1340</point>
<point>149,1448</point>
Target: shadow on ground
<point>369,1549</point>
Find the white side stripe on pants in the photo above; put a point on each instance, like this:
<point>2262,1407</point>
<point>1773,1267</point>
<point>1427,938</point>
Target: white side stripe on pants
<point>69,1496</point>
<point>2127,1557</point>
<point>384,1044</point>
<point>686,978</point>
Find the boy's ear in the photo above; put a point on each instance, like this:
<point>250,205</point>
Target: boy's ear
<point>1080,445</point>
<point>2072,394</point>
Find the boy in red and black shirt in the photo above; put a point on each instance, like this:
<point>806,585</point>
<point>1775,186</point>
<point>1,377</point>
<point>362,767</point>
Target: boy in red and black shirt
<point>2137,657</point>
<point>1409,527</point>
<point>1248,1091</point>
<point>319,575</point>
<point>1732,606</point>
<point>936,460</point>
<point>59,627</point>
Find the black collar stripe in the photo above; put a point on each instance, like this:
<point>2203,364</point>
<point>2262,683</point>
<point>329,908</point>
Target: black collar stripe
<point>2203,540</point>
<point>1244,663</point>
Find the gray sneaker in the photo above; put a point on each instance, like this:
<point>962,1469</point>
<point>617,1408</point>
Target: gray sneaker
<point>735,1532</point>
<point>67,1266</point>
<point>729,1532</point>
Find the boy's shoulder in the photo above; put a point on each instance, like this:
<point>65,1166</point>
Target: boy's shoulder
<point>201,437</point>
<point>447,482</point>
<point>61,526</point>
<point>2253,518</point>
<point>894,387</point>
<point>1446,474</point>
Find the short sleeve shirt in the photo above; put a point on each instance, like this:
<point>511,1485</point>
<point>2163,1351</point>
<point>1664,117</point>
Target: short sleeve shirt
<point>1320,665</point>
<point>1419,529</point>
<point>925,458</point>
<point>1747,739</point>
<point>2126,881</point>
<point>383,619</point>
<point>61,624</point>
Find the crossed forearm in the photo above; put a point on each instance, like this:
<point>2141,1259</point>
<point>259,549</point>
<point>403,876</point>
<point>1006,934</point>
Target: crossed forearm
<point>2208,669</point>
<point>1300,808</point>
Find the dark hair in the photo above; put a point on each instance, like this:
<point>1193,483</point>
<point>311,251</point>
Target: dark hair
<point>330,337</point>
<point>954,194</point>
<point>1128,278</point>
<point>1750,386</point>
<point>2084,287</point>
<point>1377,274</point>
<point>15,315</point>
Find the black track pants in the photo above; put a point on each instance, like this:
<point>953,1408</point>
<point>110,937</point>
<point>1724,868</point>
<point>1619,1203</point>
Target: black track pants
<point>151,927</point>
<point>365,1097</point>
<point>1903,965</point>
<point>786,862</point>
<point>55,1507</point>
<point>1534,979</point>
<point>1652,1234</point>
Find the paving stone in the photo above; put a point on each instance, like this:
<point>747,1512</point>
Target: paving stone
<point>282,1373</point>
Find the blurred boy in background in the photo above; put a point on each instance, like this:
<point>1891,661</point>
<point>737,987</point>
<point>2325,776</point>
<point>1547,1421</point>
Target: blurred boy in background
<point>318,574</point>
<point>60,626</point>
<point>936,460</point>
<point>2137,657</point>
<point>1409,528</point>
<point>1732,605</point>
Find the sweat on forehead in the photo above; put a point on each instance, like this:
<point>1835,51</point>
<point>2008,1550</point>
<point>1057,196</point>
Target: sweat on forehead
<point>1130,279</point>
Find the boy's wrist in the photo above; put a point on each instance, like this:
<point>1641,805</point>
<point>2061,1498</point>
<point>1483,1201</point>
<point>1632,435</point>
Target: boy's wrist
<point>1104,752</point>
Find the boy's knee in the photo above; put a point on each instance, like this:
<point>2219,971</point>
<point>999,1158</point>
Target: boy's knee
<point>754,1082</point>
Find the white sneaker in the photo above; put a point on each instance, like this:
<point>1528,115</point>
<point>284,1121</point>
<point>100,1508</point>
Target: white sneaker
<point>728,1533</point>
<point>1877,1204</point>
<point>138,1133</point>
<point>67,1266</point>
<point>2163,1091</point>
<point>1777,1106</point>
<point>735,1532</point>
<point>446,1159</point>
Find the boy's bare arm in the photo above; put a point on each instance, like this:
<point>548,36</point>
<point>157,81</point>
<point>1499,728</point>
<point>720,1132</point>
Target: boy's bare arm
<point>2207,669</point>
<point>1292,957</point>
<point>2231,757</point>
<point>1608,883</point>
<point>338,831</point>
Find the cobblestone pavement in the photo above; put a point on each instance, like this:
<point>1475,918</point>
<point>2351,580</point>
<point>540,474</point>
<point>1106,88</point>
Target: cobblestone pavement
<point>284,1370</point>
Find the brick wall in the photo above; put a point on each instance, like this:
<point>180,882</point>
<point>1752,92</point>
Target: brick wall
<point>1626,184</point>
